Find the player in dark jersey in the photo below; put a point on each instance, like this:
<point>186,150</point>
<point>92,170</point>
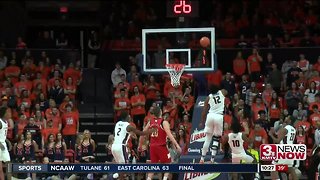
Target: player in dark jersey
<point>159,152</point>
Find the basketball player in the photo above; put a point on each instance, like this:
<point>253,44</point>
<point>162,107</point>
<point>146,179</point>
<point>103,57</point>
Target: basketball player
<point>159,152</point>
<point>4,153</point>
<point>213,113</point>
<point>122,131</point>
<point>235,140</point>
<point>285,135</point>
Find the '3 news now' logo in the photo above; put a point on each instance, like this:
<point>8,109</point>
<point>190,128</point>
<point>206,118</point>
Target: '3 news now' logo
<point>270,152</point>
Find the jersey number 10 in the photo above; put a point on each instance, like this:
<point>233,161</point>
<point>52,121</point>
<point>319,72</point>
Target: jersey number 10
<point>235,143</point>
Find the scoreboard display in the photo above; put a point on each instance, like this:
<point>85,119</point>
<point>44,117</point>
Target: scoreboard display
<point>182,8</point>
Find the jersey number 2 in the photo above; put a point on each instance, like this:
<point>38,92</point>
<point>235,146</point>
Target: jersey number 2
<point>118,133</point>
<point>235,143</point>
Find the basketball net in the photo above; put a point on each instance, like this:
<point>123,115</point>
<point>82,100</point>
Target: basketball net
<point>175,72</point>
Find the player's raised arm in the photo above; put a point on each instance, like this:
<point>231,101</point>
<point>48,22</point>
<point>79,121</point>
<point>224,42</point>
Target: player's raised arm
<point>204,112</point>
<point>281,134</point>
<point>140,133</point>
<point>166,127</point>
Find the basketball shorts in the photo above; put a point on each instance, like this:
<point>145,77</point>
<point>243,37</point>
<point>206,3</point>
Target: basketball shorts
<point>4,154</point>
<point>243,157</point>
<point>214,124</point>
<point>120,154</point>
<point>160,154</point>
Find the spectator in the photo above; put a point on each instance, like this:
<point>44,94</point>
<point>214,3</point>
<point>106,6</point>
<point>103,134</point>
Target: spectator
<point>43,102</point>
<point>275,78</point>
<point>256,42</point>
<point>20,124</point>
<point>244,85</point>
<point>116,73</point>
<point>121,104</point>
<point>93,49</point>
<point>74,73</point>
<point>316,102</point>
<point>293,73</point>
<point>117,92</point>
<point>301,137</point>
<point>60,149</point>
<point>251,94</point>
<point>39,119</point>
<point>300,113</point>
<point>275,107</point>
<point>150,89</point>
<point>56,92</point>
<point>315,116</point>
<point>3,61</point>
<point>49,129</point>
<point>307,41</point>
<point>286,41</point>
<point>23,84</point>
<point>311,92</point>
<point>158,58</point>
<point>316,66</point>
<point>317,135</point>
<point>253,63</point>
<point>182,140</point>
<point>62,42</point>
<point>24,100</point>
<point>186,124</point>
<point>293,97</point>
<point>305,124</point>
<point>56,76</point>
<point>268,64</point>
<point>138,107</point>
<point>43,69</point>
<point>271,42</point>
<point>186,107</point>
<point>258,136</point>
<point>70,88</point>
<point>70,121</point>
<point>32,128</point>
<point>267,94</point>
<point>303,63</point>
<point>316,78</point>
<point>256,107</point>
<point>21,44</point>
<point>171,110</point>
<point>239,65</point>
<point>286,66</point>
<point>49,148</point>
<point>12,71</point>
<point>132,73</point>
<point>136,82</point>
<point>45,41</point>
<point>228,84</point>
<point>242,43</point>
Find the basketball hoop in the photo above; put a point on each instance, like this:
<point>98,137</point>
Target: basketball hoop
<point>175,72</point>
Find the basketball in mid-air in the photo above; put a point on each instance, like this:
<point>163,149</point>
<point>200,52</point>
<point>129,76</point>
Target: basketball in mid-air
<point>204,41</point>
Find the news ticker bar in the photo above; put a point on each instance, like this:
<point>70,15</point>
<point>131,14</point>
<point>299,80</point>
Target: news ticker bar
<point>104,168</point>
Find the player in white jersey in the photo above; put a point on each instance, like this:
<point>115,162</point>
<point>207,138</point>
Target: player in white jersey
<point>285,135</point>
<point>4,152</point>
<point>236,139</point>
<point>212,114</point>
<point>122,132</point>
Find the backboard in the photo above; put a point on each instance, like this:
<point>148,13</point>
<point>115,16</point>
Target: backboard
<point>178,45</point>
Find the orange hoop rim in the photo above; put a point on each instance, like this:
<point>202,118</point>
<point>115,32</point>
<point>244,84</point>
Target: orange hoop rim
<point>177,67</point>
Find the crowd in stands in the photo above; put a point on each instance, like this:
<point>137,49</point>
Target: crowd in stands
<point>251,19</point>
<point>41,97</point>
<point>261,93</point>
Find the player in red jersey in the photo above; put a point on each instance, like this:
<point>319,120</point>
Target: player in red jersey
<point>159,152</point>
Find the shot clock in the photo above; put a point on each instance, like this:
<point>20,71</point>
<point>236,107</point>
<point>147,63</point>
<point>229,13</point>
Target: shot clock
<point>182,8</point>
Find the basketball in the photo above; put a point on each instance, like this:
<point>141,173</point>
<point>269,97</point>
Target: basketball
<point>204,41</point>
